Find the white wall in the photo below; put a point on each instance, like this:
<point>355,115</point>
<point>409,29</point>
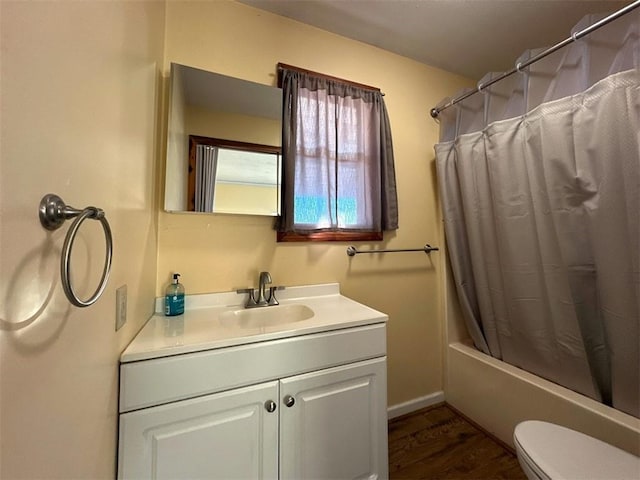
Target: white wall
<point>79,98</point>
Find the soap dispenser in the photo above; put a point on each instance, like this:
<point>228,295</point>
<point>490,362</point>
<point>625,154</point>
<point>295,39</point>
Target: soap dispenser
<point>174,298</point>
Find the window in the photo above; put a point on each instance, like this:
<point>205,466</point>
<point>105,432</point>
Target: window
<point>339,179</point>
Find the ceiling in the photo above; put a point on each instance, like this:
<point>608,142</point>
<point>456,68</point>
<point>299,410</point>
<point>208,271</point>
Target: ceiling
<point>467,37</point>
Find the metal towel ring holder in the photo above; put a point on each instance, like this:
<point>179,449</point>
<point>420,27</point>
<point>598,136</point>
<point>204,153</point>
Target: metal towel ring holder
<point>53,213</point>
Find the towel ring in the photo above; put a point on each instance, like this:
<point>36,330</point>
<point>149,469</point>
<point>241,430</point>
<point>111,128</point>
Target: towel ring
<point>53,213</point>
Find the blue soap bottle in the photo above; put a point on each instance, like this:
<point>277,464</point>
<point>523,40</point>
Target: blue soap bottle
<point>174,297</point>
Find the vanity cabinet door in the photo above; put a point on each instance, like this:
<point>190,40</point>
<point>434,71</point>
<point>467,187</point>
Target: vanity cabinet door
<point>230,435</point>
<point>333,423</point>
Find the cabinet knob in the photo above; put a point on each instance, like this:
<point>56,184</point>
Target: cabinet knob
<point>270,406</point>
<point>289,401</point>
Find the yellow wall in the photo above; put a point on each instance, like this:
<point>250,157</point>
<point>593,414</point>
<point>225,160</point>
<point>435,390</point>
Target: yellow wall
<point>240,198</point>
<point>233,126</point>
<point>79,105</point>
<point>221,253</point>
<point>79,101</point>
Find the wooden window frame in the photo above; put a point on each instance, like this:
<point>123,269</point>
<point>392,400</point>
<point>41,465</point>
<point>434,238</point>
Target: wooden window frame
<point>340,236</point>
<point>330,236</point>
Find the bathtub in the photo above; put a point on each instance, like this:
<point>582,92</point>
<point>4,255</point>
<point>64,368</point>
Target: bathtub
<point>498,396</point>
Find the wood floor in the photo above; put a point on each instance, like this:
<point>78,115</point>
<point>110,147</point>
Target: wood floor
<point>437,443</point>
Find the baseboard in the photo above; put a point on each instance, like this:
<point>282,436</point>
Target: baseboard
<point>415,404</point>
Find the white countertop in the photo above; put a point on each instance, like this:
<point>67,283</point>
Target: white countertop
<point>200,328</point>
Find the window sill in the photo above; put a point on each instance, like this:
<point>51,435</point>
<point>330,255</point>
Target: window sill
<point>329,236</point>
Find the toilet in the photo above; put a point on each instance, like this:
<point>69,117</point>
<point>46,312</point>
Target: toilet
<point>551,452</point>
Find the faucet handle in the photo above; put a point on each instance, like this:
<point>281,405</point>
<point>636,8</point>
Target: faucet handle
<point>272,295</point>
<point>251,301</point>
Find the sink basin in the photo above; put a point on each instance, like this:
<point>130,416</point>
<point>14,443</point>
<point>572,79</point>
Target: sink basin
<point>266,316</point>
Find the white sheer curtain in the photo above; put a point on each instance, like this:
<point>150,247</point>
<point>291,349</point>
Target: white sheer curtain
<point>338,173</point>
<point>206,166</point>
<point>540,182</point>
<point>336,179</point>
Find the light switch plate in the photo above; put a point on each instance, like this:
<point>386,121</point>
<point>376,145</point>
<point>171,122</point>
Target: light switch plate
<point>121,306</point>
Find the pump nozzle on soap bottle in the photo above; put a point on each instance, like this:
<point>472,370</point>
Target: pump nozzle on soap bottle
<point>174,297</point>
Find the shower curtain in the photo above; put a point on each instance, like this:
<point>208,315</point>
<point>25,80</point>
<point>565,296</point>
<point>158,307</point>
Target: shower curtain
<point>539,178</point>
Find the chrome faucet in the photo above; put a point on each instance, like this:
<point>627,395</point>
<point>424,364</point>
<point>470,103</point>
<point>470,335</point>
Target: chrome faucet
<point>263,299</point>
<point>265,279</point>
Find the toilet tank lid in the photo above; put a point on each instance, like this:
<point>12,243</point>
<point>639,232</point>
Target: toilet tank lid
<point>562,453</point>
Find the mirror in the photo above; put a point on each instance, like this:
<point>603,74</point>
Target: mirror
<point>241,122</point>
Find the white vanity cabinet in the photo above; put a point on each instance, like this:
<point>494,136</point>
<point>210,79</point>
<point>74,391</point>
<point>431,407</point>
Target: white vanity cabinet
<point>302,406</point>
<point>228,435</point>
<point>336,424</point>
<point>329,424</point>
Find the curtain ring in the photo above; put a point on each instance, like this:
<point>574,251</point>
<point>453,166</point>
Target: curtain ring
<point>65,260</point>
<point>518,66</point>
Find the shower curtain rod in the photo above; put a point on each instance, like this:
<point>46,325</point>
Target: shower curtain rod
<point>520,65</point>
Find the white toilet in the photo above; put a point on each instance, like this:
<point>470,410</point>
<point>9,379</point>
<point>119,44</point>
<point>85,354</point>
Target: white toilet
<point>551,452</point>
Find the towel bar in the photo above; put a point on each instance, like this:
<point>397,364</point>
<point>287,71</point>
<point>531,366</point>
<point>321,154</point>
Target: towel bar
<point>351,251</point>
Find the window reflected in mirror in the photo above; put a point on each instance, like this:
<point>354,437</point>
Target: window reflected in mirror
<point>233,177</point>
